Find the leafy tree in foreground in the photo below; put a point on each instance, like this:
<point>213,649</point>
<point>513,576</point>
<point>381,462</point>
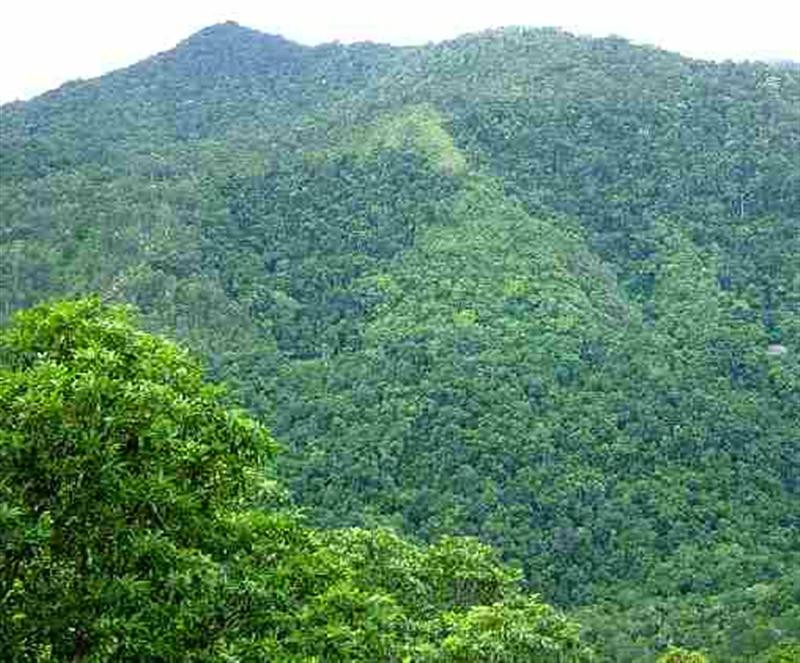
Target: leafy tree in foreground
<point>120,469</point>
<point>136,523</point>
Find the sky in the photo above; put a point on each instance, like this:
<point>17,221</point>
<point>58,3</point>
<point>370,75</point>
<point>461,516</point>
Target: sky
<point>44,43</point>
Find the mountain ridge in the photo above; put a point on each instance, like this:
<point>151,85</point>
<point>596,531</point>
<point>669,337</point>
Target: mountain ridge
<point>519,285</point>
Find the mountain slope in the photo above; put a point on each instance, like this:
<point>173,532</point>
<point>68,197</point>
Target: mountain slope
<point>521,285</point>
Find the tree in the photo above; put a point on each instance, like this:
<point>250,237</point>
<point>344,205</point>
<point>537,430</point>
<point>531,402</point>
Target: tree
<point>119,468</point>
<point>138,522</point>
<point>681,655</point>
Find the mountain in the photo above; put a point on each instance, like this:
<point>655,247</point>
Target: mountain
<point>785,64</point>
<point>535,288</point>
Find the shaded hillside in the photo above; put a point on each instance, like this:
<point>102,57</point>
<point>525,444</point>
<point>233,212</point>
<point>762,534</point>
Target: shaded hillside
<point>519,285</point>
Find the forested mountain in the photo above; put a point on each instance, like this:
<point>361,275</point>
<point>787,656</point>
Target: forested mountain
<point>785,64</point>
<point>538,289</point>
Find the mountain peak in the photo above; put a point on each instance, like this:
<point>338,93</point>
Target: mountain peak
<point>232,49</point>
<point>224,29</point>
<point>233,32</point>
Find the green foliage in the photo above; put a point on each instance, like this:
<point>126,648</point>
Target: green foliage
<point>680,655</point>
<point>118,464</point>
<point>519,285</point>
<point>138,524</point>
<point>739,625</point>
<point>497,633</point>
<point>783,653</point>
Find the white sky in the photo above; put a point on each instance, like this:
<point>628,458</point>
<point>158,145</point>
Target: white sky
<point>44,43</point>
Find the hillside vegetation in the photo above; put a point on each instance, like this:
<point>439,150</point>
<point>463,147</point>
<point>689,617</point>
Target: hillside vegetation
<point>532,288</point>
<point>139,523</point>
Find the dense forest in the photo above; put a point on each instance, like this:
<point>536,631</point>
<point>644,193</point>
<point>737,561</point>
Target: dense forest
<point>535,290</point>
<point>141,522</point>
